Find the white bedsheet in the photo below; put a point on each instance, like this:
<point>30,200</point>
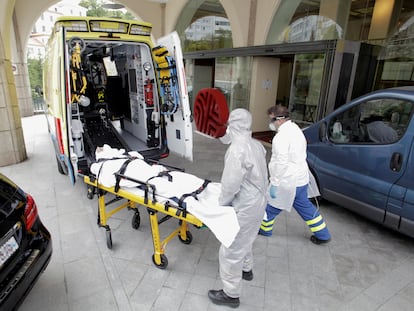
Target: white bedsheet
<point>221,220</point>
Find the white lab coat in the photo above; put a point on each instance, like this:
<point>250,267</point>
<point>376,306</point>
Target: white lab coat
<point>244,181</point>
<point>288,168</point>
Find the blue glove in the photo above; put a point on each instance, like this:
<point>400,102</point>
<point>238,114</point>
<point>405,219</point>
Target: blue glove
<point>272,191</point>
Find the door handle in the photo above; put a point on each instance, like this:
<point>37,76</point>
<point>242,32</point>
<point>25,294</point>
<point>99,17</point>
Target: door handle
<point>396,162</point>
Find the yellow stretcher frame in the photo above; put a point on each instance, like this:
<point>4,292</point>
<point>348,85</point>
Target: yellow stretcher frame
<point>159,258</point>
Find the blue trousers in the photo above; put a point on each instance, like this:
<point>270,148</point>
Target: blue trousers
<point>305,209</point>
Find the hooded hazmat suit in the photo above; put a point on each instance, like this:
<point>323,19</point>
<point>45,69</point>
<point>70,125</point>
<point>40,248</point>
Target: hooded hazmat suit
<point>244,182</point>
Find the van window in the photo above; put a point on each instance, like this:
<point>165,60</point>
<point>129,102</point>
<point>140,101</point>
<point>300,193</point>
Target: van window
<point>381,121</point>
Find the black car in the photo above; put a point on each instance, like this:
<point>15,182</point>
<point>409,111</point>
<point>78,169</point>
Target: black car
<point>25,244</point>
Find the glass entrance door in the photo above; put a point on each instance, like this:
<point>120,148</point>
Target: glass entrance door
<point>306,87</point>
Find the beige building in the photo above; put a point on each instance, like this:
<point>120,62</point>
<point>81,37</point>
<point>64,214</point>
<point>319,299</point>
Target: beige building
<point>311,55</point>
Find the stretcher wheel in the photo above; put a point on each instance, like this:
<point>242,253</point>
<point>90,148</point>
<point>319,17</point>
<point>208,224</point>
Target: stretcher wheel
<point>136,220</point>
<point>108,235</point>
<point>189,238</point>
<point>90,192</point>
<point>164,261</point>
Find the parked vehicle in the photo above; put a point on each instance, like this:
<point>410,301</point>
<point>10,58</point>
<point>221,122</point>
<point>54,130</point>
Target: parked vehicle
<point>362,156</point>
<point>25,244</point>
<point>107,82</point>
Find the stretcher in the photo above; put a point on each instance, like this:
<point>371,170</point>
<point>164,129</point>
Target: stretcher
<point>154,208</point>
<point>129,191</point>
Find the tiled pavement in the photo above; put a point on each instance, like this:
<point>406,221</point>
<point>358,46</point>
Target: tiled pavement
<point>365,267</point>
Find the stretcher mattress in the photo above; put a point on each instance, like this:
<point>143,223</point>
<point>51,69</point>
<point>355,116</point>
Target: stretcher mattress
<point>185,190</point>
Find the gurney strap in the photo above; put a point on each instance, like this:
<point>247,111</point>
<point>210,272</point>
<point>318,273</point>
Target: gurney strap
<point>162,174</point>
<point>120,173</point>
<point>191,194</point>
<point>142,184</point>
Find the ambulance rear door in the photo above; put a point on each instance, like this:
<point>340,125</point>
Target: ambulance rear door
<point>57,96</point>
<point>178,124</point>
<point>71,70</point>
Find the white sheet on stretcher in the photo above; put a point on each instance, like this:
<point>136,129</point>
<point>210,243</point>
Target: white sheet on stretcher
<point>221,220</point>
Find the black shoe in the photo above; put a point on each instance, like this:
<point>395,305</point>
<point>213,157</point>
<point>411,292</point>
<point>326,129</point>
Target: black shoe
<point>264,233</point>
<point>219,297</point>
<point>247,275</point>
<point>317,241</point>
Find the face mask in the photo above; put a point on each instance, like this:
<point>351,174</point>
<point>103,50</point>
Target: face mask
<point>273,127</point>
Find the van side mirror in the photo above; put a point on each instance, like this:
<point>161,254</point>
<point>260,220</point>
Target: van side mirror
<point>322,131</point>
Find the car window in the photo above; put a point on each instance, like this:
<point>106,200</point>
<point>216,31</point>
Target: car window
<point>380,121</point>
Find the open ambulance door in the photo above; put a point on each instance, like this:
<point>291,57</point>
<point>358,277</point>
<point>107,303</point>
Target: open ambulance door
<point>73,80</point>
<point>178,121</point>
<point>59,103</point>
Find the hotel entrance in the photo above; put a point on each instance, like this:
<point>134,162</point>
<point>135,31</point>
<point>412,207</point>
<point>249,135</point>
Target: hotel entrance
<point>311,78</point>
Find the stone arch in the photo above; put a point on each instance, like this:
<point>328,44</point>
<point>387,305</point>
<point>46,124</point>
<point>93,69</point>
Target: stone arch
<point>281,20</point>
<point>186,15</point>
<point>311,27</point>
<point>190,8</point>
<point>28,17</point>
<point>399,45</point>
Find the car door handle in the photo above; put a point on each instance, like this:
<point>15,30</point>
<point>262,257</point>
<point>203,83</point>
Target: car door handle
<point>396,161</point>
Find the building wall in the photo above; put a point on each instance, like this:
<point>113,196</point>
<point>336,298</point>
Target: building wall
<point>263,90</point>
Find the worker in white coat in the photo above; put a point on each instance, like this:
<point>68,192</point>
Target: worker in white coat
<point>289,177</point>
<point>244,183</point>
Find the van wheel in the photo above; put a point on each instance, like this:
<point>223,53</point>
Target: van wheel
<point>59,167</point>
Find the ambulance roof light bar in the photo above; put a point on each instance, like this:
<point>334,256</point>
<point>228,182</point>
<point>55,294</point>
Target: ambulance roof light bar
<point>74,25</point>
<point>108,26</point>
<point>140,30</point>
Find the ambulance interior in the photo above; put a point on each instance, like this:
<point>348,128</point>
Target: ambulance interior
<point>119,104</point>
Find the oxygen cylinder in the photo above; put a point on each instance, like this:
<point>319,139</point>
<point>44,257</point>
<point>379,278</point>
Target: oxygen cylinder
<point>149,96</point>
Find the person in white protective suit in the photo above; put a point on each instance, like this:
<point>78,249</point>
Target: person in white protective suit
<point>244,182</point>
<point>289,177</point>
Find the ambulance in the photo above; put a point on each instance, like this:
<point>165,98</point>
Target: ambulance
<point>106,82</point>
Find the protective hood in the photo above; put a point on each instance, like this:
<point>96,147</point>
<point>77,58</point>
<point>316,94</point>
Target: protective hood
<point>239,124</point>
<point>240,120</point>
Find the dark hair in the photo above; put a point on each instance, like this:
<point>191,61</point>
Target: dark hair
<point>278,111</point>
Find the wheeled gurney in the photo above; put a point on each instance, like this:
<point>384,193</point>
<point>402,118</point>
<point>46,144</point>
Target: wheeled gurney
<point>161,189</point>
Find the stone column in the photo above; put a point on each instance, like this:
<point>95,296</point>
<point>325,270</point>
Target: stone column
<point>24,96</point>
<point>263,90</point>
<point>384,18</point>
<point>336,10</point>
<point>21,75</point>
<point>12,149</point>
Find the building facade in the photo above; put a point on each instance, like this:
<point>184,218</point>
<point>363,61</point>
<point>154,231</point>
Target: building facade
<point>311,55</point>
<point>36,45</point>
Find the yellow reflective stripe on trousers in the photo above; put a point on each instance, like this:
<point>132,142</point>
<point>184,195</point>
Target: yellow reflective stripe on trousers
<point>266,228</point>
<point>318,228</point>
<point>314,221</point>
<point>268,223</point>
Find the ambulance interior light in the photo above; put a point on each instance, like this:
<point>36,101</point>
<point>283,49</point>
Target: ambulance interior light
<point>146,66</point>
